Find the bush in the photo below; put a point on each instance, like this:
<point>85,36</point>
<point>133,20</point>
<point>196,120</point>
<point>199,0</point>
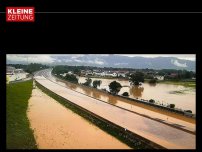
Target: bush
<point>88,82</point>
<point>71,78</point>
<point>172,105</point>
<point>115,87</point>
<point>152,101</point>
<point>125,94</point>
<point>137,78</point>
<point>96,83</point>
<point>152,81</point>
<point>188,111</point>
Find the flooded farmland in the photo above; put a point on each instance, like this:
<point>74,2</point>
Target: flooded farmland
<point>56,127</point>
<point>164,93</point>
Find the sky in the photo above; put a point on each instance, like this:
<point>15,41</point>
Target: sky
<point>191,57</point>
<point>49,58</point>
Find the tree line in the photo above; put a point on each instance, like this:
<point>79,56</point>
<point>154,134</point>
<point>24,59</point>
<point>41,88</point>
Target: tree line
<point>30,68</point>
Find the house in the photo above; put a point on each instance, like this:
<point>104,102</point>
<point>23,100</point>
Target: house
<point>173,75</point>
<point>110,73</point>
<point>19,71</point>
<point>10,70</point>
<point>88,73</point>
<point>159,77</point>
<point>64,74</point>
<point>99,73</point>
<point>122,73</point>
<point>70,72</point>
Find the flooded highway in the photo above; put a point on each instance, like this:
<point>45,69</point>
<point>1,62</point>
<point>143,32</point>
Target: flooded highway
<point>56,127</point>
<point>155,131</point>
<point>155,113</point>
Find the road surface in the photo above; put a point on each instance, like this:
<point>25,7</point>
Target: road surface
<point>155,131</point>
<point>163,116</point>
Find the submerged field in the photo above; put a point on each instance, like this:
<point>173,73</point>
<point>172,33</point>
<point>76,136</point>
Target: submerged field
<point>18,132</point>
<point>183,83</point>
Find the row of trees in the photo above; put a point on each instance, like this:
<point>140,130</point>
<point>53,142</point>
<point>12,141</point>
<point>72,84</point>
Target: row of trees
<point>30,68</point>
<point>181,74</point>
<point>114,87</point>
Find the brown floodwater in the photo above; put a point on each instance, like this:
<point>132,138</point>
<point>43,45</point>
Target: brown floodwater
<point>56,127</point>
<point>168,117</point>
<point>162,134</point>
<point>162,93</point>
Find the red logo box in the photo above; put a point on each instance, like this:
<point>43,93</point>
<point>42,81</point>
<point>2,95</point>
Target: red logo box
<point>20,14</point>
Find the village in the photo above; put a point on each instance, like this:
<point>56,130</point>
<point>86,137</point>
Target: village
<point>125,74</point>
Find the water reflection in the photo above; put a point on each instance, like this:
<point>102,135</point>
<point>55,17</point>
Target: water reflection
<point>112,100</point>
<point>86,91</point>
<point>96,95</point>
<point>152,84</point>
<point>136,91</point>
<point>72,86</point>
<point>158,92</point>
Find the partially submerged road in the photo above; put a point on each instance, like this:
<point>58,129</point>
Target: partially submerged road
<point>56,127</point>
<point>164,116</point>
<point>155,131</point>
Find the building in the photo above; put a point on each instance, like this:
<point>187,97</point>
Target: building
<point>159,77</point>
<point>10,70</point>
<point>122,73</point>
<point>19,71</point>
<point>110,73</point>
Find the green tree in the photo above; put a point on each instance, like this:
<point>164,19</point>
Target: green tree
<point>136,78</point>
<point>152,101</point>
<point>153,80</point>
<point>77,72</point>
<point>96,83</point>
<point>172,105</point>
<point>114,87</point>
<point>125,94</point>
<point>188,111</point>
<point>88,82</point>
<point>71,78</point>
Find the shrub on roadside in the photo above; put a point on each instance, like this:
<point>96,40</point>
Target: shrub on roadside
<point>152,101</point>
<point>172,105</point>
<point>125,94</point>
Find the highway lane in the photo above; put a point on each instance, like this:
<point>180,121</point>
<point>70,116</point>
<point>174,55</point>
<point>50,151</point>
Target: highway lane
<point>126,104</point>
<point>157,132</point>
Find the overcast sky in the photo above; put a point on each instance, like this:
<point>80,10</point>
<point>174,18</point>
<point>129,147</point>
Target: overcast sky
<point>49,58</point>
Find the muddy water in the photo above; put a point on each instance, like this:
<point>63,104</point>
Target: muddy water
<point>153,130</point>
<point>162,93</point>
<point>133,106</point>
<point>56,127</point>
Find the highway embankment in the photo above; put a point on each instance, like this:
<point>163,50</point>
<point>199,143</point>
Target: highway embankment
<point>18,132</point>
<point>125,136</point>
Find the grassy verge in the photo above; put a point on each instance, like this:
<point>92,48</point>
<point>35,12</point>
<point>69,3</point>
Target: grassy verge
<point>183,83</point>
<point>18,133</point>
<point>127,137</point>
